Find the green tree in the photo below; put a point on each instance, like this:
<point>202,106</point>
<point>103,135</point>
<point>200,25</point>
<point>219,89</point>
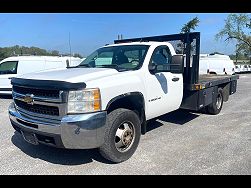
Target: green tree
<point>23,50</point>
<point>55,53</point>
<point>188,27</point>
<point>237,27</point>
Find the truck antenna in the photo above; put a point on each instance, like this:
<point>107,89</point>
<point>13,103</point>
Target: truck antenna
<point>70,45</point>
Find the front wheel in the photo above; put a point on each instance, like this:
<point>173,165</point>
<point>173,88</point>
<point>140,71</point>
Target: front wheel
<point>216,106</point>
<point>122,135</point>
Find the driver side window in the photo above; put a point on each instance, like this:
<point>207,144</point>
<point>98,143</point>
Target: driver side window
<point>161,58</point>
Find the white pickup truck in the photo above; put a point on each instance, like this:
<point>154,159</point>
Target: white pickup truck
<point>107,100</point>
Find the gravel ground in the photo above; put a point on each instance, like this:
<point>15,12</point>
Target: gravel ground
<point>180,142</point>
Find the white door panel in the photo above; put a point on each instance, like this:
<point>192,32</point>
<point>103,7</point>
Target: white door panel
<point>5,81</point>
<point>163,94</point>
<point>164,89</point>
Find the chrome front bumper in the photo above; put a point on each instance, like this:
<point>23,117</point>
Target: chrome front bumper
<point>83,131</point>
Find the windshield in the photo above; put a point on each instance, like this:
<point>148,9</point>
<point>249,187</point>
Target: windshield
<point>121,58</point>
<point>8,67</point>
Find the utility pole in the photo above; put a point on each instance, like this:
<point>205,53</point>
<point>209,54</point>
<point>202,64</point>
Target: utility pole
<point>70,42</point>
<point>236,53</point>
<point>70,45</point>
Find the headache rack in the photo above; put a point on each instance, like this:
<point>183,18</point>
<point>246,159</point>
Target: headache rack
<point>191,48</point>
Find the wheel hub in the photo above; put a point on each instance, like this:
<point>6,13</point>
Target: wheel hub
<point>127,137</point>
<point>124,137</point>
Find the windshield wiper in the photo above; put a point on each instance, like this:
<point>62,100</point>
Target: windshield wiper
<point>114,66</point>
<point>83,65</point>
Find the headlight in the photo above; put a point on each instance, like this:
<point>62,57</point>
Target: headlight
<point>82,101</point>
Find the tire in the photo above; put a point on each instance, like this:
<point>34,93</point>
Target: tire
<point>120,141</point>
<point>216,106</point>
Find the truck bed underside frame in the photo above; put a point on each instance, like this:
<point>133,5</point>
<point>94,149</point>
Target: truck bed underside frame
<point>197,96</point>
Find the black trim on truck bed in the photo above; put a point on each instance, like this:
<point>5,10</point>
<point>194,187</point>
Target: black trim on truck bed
<point>47,84</point>
<point>213,80</point>
<point>206,81</point>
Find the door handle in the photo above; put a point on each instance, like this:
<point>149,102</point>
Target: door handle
<point>175,79</point>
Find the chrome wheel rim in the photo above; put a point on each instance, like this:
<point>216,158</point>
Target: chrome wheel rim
<point>124,137</point>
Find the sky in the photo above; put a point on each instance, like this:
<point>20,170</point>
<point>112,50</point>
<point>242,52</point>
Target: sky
<point>90,31</point>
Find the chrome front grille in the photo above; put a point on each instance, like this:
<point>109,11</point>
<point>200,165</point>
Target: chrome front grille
<point>42,103</point>
<point>36,108</point>
<point>42,93</point>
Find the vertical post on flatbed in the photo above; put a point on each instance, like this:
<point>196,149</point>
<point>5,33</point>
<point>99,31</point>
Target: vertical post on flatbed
<point>196,60</point>
<point>188,54</point>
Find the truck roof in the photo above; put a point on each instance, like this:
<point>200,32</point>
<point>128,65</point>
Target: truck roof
<point>149,43</point>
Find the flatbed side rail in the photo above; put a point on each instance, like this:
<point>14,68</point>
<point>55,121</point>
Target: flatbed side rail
<point>203,84</point>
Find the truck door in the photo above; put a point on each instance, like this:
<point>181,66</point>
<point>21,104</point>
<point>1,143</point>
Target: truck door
<point>7,69</point>
<point>164,89</point>
<point>30,66</point>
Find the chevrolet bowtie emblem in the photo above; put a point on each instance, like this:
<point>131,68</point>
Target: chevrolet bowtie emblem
<point>29,99</point>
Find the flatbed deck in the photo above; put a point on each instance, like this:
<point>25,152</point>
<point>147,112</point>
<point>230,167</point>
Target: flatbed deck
<point>210,77</point>
<point>209,80</point>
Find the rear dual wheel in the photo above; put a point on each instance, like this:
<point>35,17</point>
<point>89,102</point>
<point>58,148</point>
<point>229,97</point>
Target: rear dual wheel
<point>216,106</point>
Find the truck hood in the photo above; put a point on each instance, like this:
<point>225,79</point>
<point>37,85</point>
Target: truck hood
<point>72,75</point>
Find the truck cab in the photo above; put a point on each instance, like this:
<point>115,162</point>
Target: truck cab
<point>106,101</point>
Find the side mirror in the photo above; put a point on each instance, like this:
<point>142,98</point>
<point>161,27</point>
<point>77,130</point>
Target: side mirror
<point>177,64</point>
<point>152,67</point>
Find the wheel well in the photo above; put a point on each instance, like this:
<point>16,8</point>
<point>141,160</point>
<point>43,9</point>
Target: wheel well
<point>134,102</point>
<point>225,90</point>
